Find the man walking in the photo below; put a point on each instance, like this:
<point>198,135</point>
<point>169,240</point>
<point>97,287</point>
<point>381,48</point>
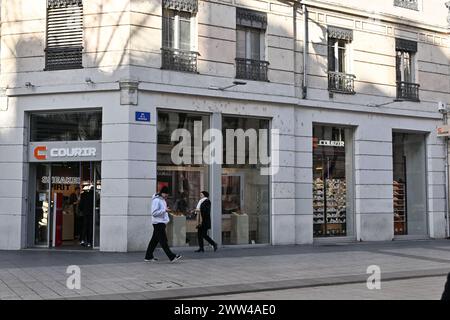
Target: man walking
<point>160,218</point>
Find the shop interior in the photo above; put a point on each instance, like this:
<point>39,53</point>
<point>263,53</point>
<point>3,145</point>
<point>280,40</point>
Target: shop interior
<point>332,182</point>
<point>409,198</point>
<point>67,205</point>
<point>245,193</point>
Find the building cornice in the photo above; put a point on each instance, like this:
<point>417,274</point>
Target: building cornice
<point>150,87</point>
<point>383,17</point>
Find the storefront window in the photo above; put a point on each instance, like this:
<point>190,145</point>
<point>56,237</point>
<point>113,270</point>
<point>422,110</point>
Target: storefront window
<point>333,181</point>
<point>410,211</point>
<point>187,179</point>
<point>66,126</point>
<point>245,191</point>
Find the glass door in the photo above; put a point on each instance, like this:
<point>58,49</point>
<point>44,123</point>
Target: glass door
<point>232,201</point>
<point>98,187</point>
<point>42,206</point>
<point>67,205</point>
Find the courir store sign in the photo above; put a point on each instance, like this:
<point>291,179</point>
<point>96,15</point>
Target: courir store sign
<point>69,151</point>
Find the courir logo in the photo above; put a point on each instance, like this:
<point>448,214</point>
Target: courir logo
<point>42,152</point>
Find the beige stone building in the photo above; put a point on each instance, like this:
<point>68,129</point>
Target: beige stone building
<point>92,90</point>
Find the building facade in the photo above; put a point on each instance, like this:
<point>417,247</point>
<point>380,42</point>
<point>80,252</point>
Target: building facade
<point>344,94</point>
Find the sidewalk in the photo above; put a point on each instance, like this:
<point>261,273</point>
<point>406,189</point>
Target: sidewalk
<point>34,274</point>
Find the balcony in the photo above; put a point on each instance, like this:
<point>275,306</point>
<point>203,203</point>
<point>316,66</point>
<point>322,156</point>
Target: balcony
<point>252,69</point>
<point>63,58</point>
<point>179,60</point>
<point>408,91</point>
<point>341,82</point>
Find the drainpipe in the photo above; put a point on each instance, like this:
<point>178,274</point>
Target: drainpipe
<point>446,180</point>
<point>446,188</point>
<point>305,52</point>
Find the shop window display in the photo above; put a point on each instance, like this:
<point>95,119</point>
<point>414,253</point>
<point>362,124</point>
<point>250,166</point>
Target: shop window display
<point>245,192</point>
<point>332,171</point>
<point>185,181</point>
<point>409,194</point>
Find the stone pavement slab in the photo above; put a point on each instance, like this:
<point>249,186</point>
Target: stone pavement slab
<point>32,273</point>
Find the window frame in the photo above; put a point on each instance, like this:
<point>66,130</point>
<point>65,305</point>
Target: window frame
<point>248,44</point>
<point>175,42</point>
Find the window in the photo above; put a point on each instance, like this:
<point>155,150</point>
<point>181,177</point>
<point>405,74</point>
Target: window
<point>408,4</point>
<point>64,35</point>
<point>187,179</point>
<point>250,45</point>
<point>177,36</point>
<point>333,208</point>
<point>66,126</point>
<point>410,194</point>
<point>407,88</point>
<point>177,30</point>
<point>339,77</point>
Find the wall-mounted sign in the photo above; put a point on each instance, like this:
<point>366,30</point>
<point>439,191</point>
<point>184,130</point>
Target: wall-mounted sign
<point>69,151</point>
<point>443,131</point>
<point>143,116</point>
<point>329,143</point>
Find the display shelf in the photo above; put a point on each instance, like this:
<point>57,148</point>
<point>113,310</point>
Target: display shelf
<point>400,210</point>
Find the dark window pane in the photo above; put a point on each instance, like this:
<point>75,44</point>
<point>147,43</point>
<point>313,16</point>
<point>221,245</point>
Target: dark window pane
<point>331,57</point>
<point>168,28</point>
<point>67,126</point>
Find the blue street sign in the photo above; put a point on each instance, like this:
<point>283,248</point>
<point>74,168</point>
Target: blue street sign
<point>143,116</point>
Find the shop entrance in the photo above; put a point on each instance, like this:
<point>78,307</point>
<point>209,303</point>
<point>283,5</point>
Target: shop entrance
<point>66,211</point>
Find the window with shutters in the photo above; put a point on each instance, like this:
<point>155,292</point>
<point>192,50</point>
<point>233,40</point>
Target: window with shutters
<point>64,35</point>
<point>250,45</point>
<point>178,30</point>
<point>340,79</point>
<point>407,88</point>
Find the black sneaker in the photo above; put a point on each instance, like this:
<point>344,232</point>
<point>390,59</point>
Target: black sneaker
<point>215,247</point>
<point>176,258</point>
<point>200,250</point>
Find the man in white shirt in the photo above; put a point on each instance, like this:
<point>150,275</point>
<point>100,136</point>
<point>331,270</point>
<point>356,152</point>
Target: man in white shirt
<point>160,218</point>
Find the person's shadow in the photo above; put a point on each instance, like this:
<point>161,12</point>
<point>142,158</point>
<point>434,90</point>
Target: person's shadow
<point>446,294</point>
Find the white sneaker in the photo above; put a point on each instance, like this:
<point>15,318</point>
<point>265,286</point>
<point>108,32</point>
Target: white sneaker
<point>177,257</point>
<point>151,260</point>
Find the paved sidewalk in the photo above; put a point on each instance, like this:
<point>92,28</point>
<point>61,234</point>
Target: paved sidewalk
<point>411,289</point>
<point>34,274</point>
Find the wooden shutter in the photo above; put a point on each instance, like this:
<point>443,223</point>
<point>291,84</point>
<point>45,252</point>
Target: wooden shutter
<point>64,34</point>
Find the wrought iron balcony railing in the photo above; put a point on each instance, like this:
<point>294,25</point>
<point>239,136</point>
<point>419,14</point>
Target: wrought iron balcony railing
<point>407,91</point>
<point>341,82</point>
<point>179,60</point>
<point>252,69</point>
<point>63,58</point>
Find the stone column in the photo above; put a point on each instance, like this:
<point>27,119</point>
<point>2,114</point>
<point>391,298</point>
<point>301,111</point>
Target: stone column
<point>283,211</point>
<point>128,173</point>
<point>373,181</point>
<point>13,177</point>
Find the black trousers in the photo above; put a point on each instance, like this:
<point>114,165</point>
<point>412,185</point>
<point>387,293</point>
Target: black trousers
<point>202,233</point>
<point>86,234</point>
<point>159,236</point>
<point>79,221</point>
